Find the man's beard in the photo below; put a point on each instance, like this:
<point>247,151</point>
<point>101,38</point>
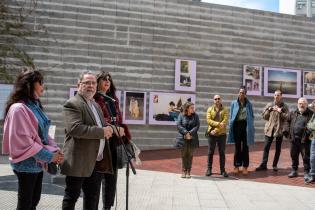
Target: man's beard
<point>87,94</point>
<point>302,110</point>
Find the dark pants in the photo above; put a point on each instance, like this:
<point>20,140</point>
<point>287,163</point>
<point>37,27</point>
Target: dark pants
<point>268,141</point>
<point>212,142</point>
<point>241,154</point>
<point>109,189</point>
<point>90,187</point>
<point>187,156</point>
<point>304,148</point>
<point>29,190</point>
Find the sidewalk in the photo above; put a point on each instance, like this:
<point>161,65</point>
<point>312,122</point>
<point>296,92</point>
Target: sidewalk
<point>155,190</point>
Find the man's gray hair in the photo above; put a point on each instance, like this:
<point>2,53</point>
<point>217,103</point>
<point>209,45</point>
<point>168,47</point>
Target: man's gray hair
<point>85,73</point>
<point>304,99</point>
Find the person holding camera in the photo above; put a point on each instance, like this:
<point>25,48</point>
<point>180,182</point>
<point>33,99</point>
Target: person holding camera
<point>295,129</point>
<point>188,125</point>
<point>275,114</point>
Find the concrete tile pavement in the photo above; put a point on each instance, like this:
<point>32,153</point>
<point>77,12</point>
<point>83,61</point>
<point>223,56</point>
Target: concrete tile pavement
<point>152,190</point>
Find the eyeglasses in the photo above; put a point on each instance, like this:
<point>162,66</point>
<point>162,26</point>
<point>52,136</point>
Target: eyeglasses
<point>88,83</point>
<point>217,99</point>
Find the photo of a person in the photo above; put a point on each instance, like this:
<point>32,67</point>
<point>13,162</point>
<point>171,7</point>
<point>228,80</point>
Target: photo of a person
<point>185,75</point>
<point>252,79</point>
<point>134,107</point>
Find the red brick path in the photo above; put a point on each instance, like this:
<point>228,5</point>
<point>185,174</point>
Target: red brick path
<point>169,160</point>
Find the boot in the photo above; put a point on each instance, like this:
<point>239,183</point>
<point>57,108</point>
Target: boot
<point>224,174</point>
<point>245,171</point>
<point>293,174</point>
<point>306,176</point>
<point>184,173</point>
<point>188,174</point>
<point>261,167</point>
<point>209,172</point>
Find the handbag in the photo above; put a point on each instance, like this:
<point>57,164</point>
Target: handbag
<point>122,158</point>
<point>52,168</point>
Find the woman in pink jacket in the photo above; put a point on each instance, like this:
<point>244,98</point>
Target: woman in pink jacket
<point>26,139</point>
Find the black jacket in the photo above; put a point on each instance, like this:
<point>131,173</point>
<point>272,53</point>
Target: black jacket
<point>291,120</point>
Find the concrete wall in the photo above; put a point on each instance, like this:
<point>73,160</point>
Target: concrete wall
<point>139,40</point>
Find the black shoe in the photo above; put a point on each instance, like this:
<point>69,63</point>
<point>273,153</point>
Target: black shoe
<point>293,174</point>
<point>224,174</point>
<point>310,180</point>
<point>306,176</point>
<point>261,168</point>
<point>209,172</point>
<point>275,168</point>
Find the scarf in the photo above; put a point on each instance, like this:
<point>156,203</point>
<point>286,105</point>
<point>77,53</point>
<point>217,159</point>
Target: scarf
<point>43,121</point>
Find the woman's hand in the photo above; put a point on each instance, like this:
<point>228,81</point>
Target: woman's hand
<point>58,157</point>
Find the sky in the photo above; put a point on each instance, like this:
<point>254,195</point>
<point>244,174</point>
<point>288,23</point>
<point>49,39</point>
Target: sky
<point>282,6</point>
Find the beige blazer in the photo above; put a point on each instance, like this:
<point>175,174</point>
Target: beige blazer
<point>82,138</point>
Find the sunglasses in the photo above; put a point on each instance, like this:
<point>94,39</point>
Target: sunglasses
<point>217,99</point>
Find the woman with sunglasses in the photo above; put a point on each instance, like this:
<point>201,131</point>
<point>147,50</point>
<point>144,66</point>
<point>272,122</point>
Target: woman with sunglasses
<point>26,139</point>
<point>112,115</point>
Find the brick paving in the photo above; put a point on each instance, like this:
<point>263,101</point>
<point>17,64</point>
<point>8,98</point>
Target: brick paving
<point>168,160</point>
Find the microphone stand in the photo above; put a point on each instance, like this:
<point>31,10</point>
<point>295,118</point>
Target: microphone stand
<point>129,163</point>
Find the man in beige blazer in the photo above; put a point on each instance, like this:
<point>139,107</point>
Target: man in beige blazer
<point>86,148</point>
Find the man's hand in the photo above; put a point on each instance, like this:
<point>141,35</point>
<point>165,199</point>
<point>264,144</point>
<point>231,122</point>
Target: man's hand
<point>221,125</point>
<point>108,132</point>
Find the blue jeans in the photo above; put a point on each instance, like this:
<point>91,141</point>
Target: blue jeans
<point>312,171</point>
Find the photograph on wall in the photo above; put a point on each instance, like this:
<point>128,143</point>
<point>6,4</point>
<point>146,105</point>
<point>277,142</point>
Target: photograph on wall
<point>185,75</point>
<point>165,107</point>
<point>286,80</point>
<point>5,91</point>
<point>252,79</point>
<point>309,84</point>
<point>134,110</point>
<point>73,91</point>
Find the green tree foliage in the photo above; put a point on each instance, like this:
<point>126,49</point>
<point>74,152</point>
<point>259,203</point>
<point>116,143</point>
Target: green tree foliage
<point>15,29</point>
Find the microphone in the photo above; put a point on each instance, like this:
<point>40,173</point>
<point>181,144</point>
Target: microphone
<point>106,96</point>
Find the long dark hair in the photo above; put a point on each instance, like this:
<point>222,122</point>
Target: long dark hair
<point>106,76</point>
<point>24,88</point>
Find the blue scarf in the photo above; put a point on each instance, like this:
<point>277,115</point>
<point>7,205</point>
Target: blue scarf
<point>43,121</point>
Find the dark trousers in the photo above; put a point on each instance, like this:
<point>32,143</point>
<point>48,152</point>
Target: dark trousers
<point>241,154</point>
<point>187,156</point>
<point>109,189</point>
<point>90,187</point>
<point>29,190</point>
<point>304,148</point>
<point>212,142</point>
<point>268,141</point>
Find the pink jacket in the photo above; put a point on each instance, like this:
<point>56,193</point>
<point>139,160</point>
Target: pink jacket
<point>20,134</point>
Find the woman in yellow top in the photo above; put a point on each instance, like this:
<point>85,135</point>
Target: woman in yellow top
<point>217,119</point>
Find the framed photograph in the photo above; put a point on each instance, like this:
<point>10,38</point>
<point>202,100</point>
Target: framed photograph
<point>73,91</point>
<point>185,75</point>
<point>309,84</point>
<point>134,111</point>
<point>252,79</point>
<point>165,107</point>
<point>5,91</point>
<point>287,80</point>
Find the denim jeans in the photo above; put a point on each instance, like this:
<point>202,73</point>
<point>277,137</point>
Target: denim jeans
<point>312,171</point>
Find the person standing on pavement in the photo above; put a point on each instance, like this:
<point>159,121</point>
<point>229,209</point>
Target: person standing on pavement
<point>242,131</point>
<point>295,130</point>
<point>188,125</point>
<point>105,86</point>
<point>86,147</point>
<point>217,119</point>
<point>311,128</point>
<point>275,115</point>
<point>26,138</point>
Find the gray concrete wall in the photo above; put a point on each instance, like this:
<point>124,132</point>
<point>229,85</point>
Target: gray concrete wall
<point>139,40</point>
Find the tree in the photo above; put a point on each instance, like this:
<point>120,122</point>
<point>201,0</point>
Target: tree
<point>15,16</point>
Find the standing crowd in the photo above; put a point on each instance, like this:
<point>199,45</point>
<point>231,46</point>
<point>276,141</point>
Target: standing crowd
<point>94,130</point>
<point>298,126</point>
